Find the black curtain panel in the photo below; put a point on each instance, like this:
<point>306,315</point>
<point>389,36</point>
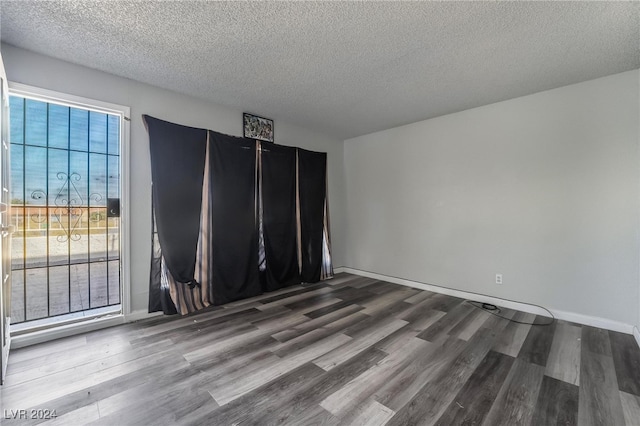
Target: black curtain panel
<point>177,173</point>
<point>312,169</point>
<point>234,242</point>
<point>232,218</point>
<point>278,180</point>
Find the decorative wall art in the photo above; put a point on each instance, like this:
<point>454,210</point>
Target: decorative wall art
<point>259,128</point>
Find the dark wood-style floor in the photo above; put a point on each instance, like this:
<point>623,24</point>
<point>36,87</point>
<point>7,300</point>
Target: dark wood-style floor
<point>348,351</point>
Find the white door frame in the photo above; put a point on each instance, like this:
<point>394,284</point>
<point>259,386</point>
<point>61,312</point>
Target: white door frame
<point>124,112</point>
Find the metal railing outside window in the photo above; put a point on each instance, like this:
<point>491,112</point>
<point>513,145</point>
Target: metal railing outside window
<point>65,170</point>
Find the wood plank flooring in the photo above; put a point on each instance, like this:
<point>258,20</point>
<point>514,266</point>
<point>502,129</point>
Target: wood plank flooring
<point>351,350</point>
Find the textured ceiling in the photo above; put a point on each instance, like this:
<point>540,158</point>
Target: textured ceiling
<point>345,69</point>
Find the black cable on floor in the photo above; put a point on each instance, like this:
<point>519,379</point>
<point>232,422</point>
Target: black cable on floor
<point>490,307</point>
<point>553,318</point>
<point>494,310</point>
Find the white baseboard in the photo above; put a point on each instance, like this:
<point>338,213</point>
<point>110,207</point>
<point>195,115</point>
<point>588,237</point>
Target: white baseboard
<point>592,321</point>
<point>636,334</point>
<point>339,270</point>
<point>524,307</point>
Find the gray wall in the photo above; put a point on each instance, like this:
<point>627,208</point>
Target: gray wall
<point>542,188</point>
<point>48,73</point>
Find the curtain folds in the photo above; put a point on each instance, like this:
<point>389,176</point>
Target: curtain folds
<point>177,174</point>
<point>232,217</point>
<point>278,183</point>
<point>177,195</point>
<point>312,169</point>
<point>159,295</point>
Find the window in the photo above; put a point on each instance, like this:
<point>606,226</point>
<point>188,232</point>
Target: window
<point>66,181</point>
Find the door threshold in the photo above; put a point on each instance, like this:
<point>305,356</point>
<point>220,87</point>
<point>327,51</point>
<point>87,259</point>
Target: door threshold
<point>46,329</point>
<point>34,336</point>
<point>61,320</point>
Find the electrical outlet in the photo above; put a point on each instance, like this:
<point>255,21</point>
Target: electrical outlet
<point>498,278</point>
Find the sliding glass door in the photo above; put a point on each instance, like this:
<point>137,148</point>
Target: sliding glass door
<point>65,171</point>
<point>5,228</point>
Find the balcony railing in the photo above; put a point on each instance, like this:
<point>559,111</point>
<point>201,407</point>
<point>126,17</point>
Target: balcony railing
<point>64,261</point>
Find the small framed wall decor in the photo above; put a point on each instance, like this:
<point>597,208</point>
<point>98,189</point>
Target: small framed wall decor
<point>257,127</point>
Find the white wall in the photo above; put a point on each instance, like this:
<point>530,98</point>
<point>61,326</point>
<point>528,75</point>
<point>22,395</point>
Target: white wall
<point>45,72</point>
<point>543,189</point>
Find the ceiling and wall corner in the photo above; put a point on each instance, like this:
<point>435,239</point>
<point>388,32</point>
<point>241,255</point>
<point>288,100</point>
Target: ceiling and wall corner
<point>343,68</point>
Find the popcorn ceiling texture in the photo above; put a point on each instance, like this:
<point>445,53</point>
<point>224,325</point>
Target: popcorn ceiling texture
<point>345,69</point>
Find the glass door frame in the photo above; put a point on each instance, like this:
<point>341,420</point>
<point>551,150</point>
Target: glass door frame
<point>5,228</point>
<point>53,97</point>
